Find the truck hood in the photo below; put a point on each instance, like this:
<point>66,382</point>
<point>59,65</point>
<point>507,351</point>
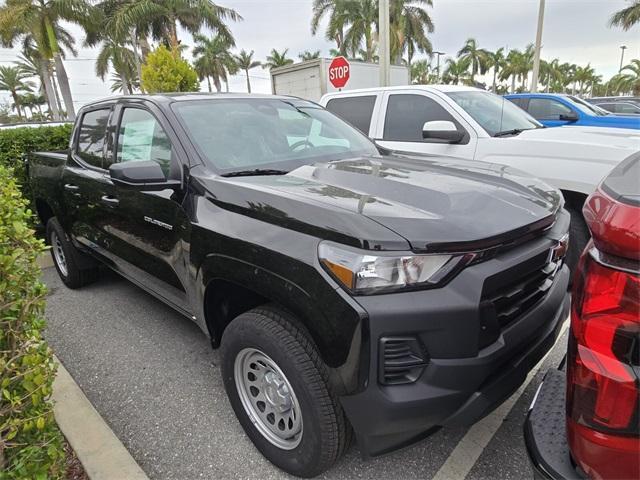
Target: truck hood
<point>432,204</point>
<point>616,121</point>
<point>584,138</point>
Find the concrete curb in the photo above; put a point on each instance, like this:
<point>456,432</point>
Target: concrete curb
<point>101,453</point>
<point>45,260</point>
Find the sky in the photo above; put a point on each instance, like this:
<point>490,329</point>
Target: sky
<point>575,31</point>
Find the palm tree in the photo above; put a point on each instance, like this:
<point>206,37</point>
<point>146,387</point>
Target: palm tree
<point>14,81</point>
<point>409,25</point>
<point>277,59</point>
<point>213,60</point>
<point>115,54</point>
<point>517,67</point>
<point>161,18</point>
<point>478,58</point>
<point>628,80</point>
<point>495,60</point>
<point>307,55</point>
<point>584,75</point>
<point>40,19</point>
<point>362,16</point>
<point>421,72</point>
<point>335,10</point>
<point>457,71</point>
<point>627,17</point>
<point>246,62</point>
<point>118,84</point>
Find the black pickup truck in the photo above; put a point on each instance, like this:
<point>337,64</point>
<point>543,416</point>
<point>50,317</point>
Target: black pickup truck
<point>351,290</point>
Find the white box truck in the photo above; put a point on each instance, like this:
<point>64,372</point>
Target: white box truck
<point>310,79</point>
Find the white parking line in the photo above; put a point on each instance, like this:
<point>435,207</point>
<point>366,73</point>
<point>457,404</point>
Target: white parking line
<point>469,449</point>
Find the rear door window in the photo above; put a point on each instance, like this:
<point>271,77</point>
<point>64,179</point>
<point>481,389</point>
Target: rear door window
<point>355,110</point>
<point>407,114</point>
<point>91,137</point>
<point>547,109</point>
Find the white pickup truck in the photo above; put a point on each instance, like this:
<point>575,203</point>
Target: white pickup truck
<point>473,124</point>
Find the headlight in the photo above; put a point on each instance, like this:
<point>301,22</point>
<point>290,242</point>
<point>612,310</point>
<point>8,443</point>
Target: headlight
<point>363,272</point>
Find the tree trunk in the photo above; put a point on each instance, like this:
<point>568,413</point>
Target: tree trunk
<point>49,92</point>
<point>226,84</point>
<point>63,80</point>
<point>57,92</point>
<point>136,56</point>
<point>16,102</point>
<point>495,73</point>
<point>513,83</point>
<point>173,35</point>
<point>65,89</point>
<point>145,48</point>
<point>216,82</point>
<point>209,83</point>
<point>248,81</point>
<point>125,86</point>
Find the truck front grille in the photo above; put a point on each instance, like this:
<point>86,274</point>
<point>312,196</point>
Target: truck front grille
<point>511,294</point>
<point>401,360</point>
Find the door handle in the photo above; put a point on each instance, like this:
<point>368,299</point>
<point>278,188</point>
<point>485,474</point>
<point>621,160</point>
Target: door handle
<point>71,187</point>
<point>108,200</point>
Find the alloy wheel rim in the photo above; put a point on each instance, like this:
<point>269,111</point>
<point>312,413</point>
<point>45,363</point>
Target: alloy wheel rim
<point>58,254</point>
<point>268,398</point>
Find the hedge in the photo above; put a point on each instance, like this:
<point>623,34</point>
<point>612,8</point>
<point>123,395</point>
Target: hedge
<point>30,442</point>
<point>15,142</point>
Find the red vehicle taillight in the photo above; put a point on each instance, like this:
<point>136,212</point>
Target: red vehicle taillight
<point>603,366</point>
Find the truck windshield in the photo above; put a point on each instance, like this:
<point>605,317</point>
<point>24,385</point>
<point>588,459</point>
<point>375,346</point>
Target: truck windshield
<point>495,114</point>
<point>587,107</point>
<point>265,136</point>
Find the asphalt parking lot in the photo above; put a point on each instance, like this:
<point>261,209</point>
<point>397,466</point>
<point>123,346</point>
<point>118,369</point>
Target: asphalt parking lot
<point>153,377</point>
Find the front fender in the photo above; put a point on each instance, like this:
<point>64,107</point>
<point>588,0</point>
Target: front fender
<point>330,316</point>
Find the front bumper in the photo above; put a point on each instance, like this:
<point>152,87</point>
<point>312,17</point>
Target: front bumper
<point>463,380</point>
<point>545,432</point>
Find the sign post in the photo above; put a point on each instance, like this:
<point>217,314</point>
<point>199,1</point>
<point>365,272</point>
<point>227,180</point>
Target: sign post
<point>339,72</point>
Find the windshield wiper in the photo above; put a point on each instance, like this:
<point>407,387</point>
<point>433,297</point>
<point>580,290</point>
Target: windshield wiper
<point>505,133</point>
<point>255,172</point>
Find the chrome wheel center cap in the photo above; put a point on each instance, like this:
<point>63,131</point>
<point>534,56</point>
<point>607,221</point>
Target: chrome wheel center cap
<point>276,392</point>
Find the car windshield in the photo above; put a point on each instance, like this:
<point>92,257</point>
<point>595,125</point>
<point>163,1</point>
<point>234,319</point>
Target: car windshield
<point>588,108</point>
<point>495,114</point>
<point>258,134</point>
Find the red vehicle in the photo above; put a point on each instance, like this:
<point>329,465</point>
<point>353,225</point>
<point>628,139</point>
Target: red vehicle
<point>591,428</point>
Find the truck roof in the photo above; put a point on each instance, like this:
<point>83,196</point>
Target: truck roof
<point>438,88</point>
<point>184,96</point>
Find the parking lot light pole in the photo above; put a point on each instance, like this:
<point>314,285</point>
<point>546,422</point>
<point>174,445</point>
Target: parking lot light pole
<point>383,44</point>
<point>438,54</point>
<point>536,55</point>
<point>622,48</point>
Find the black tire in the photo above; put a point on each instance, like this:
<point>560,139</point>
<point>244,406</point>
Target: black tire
<point>74,267</point>
<point>325,432</point>
<point>578,238</point>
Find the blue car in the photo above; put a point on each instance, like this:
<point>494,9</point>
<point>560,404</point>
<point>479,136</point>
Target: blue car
<point>554,110</point>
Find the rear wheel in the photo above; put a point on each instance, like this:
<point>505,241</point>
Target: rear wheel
<point>278,387</point>
<point>74,268</point>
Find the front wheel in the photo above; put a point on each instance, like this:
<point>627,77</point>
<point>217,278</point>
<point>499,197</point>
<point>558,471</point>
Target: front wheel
<point>278,387</point>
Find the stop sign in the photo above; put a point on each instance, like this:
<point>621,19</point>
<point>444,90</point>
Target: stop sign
<point>339,72</point>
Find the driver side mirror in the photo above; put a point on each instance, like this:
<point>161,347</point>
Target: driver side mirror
<point>569,117</point>
<point>442,130</point>
<point>147,175</point>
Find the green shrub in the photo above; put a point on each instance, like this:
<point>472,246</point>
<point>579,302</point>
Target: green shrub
<point>30,442</point>
<point>15,142</point>
<point>167,71</point>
